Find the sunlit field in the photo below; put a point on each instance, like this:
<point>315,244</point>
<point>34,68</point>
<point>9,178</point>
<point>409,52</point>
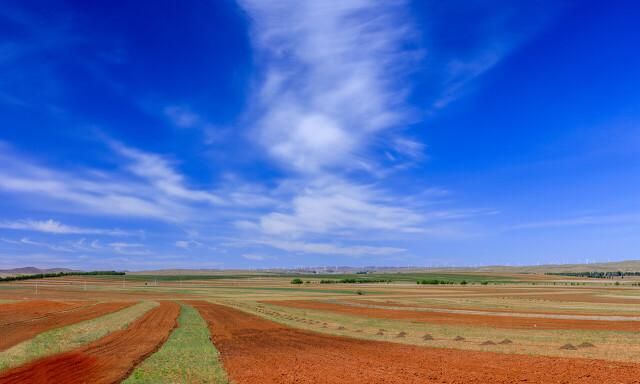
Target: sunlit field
<point>190,328</point>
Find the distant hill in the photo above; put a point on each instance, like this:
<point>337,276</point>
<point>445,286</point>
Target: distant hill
<point>32,271</point>
<point>614,266</point>
<point>624,266</point>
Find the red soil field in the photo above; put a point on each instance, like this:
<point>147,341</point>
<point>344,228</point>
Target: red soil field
<point>255,350</point>
<point>584,298</point>
<point>31,309</point>
<point>15,332</point>
<point>464,319</point>
<point>107,360</point>
<point>389,303</point>
<point>74,293</point>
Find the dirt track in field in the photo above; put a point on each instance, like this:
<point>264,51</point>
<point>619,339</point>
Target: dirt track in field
<point>255,350</point>
<point>509,322</point>
<point>18,331</point>
<point>31,309</point>
<point>107,360</point>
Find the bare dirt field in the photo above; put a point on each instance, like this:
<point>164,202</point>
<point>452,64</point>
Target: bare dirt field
<point>107,360</point>
<point>14,332</point>
<point>255,350</point>
<point>488,321</point>
<point>29,310</point>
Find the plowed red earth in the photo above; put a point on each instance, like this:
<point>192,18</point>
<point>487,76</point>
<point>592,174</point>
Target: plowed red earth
<point>17,331</point>
<point>107,360</point>
<point>255,350</point>
<point>510,322</point>
<point>30,309</point>
<point>389,303</point>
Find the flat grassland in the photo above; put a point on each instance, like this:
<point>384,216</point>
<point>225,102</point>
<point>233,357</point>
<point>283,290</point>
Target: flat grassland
<point>472,327</point>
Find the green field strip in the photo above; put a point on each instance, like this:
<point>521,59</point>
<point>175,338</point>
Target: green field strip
<point>188,356</point>
<point>67,338</point>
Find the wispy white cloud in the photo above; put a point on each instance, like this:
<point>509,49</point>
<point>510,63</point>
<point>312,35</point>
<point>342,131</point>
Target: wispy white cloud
<point>461,72</point>
<point>254,257</point>
<point>56,227</point>
<point>330,248</point>
<point>157,171</point>
<point>131,249</point>
<point>334,206</point>
<point>182,116</point>
<point>149,187</point>
<point>458,57</point>
<point>331,102</point>
<point>41,244</point>
<point>612,219</point>
<point>330,78</point>
<point>85,245</point>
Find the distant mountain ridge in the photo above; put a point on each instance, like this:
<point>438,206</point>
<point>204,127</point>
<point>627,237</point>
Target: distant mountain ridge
<point>614,266</point>
<point>33,271</point>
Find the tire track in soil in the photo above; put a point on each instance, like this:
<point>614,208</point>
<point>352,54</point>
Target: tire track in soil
<point>255,350</point>
<point>17,332</point>
<point>107,360</point>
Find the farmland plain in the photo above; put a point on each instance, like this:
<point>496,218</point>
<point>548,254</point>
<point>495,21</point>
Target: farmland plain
<point>259,327</point>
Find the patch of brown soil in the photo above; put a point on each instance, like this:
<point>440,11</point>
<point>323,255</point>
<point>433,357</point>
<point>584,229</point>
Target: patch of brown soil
<point>15,332</point>
<point>31,309</point>
<point>255,350</point>
<point>107,360</point>
<point>463,319</point>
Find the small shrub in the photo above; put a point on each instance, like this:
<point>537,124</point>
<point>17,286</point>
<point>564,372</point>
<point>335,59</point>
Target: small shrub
<point>296,281</point>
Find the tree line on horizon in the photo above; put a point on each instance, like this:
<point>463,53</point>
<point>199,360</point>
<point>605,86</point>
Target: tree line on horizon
<point>57,274</point>
<point>595,275</point>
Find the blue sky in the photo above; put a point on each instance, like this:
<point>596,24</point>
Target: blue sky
<point>257,134</point>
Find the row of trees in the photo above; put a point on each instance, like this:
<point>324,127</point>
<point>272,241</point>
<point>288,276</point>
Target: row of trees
<point>57,274</point>
<point>354,281</point>
<point>436,282</point>
<point>344,281</point>
<point>596,275</point>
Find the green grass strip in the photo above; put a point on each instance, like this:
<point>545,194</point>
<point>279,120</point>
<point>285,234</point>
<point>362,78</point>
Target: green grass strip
<point>188,356</point>
<point>72,336</point>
